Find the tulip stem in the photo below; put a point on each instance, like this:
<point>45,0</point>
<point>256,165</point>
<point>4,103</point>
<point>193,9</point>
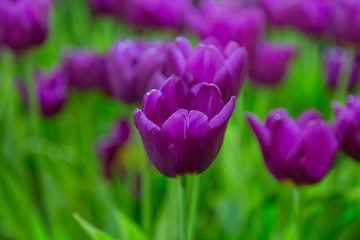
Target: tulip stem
<point>182,232</point>
<point>193,206</point>
<point>146,204</point>
<point>296,204</point>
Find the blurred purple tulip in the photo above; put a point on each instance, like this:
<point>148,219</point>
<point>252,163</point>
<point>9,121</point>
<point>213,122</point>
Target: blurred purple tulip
<point>301,151</point>
<point>136,67</point>
<point>211,63</point>
<point>109,149</point>
<point>24,23</point>
<point>279,12</point>
<point>228,21</point>
<point>348,126</point>
<point>335,60</point>
<point>271,62</point>
<point>86,69</point>
<point>183,129</point>
<point>157,13</point>
<point>52,91</point>
<point>113,8</point>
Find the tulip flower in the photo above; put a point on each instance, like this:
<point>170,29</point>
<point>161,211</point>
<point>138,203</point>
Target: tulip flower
<point>110,149</point>
<point>85,69</point>
<point>335,59</point>
<point>348,126</point>
<point>279,12</point>
<point>23,23</point>
<point>271,63</point>
<point>157,13</point>
<point>355,73</point>
<point>113,8</point>
<point>228,21</point>
<point>51,92</point>
<point>183,128</point>
<point>136,67</point>
<point>209,62</point>
<point>301,151</point>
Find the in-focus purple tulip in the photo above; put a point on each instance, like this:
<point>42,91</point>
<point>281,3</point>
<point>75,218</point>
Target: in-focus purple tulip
<point>110,149</point>
<point>136,67</point>
<point>23,23</point>
<point>52,91</point>
<point>355,73</point>
<point>113,8</point>
<point>335,60</point>
<point>301,151</point>
<point>271,62</point>
<point>86,69</point>
<point>228,21</point>
<point>279,12</point>
<point>211,63</point>
<point>182,129</point>
<point>157,13</point>
<point>348,126</point>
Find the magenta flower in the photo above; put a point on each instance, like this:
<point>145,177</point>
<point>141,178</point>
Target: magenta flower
<point>183,129</point>
<point>279,12</point>
<point>271,62</point>
<point>109,149</point>
<point>335,60</point>
<point>211,63</point>
<point>136,67</point>
<point>85,69</point>
<point>348,126</point>
<point>113,8</point>
<point>355,72</point>
<point>228,21</point>
<point>157,13</point>
<point>23,23</point>
<point>301,151</point>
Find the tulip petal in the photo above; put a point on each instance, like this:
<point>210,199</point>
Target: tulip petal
<point>176,92</point>
<point>156,107</point>
<point>184,46</point>
<point>261,132</point>
<point>158,147</point>
<point>176,61</point>
<point>310,115</point>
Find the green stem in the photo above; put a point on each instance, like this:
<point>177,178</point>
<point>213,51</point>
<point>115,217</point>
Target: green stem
<point>146,199</point>
<point>182,191</point>
<point>193,206</point>
<point>296,204</point>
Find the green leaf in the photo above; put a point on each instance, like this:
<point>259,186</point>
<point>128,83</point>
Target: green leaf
<point>92,231</point>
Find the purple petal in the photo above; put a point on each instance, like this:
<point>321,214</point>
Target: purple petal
<point>261,132</point>
<point>310,115</point>
<point>176,61</point>
<point>184,46</point>
<point>156,107</point>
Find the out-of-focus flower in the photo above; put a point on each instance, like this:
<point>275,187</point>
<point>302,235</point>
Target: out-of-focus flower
<point>157,13</point>
<point>211,63</point>
<point>348,126</point>
<point>113,8</point>
<point>312,16</point>
<point>110,149</point>
<point>335,60</point>
<point>301,151</point>
<point>136,67</point>
<point>23,23</point>
<point>51,92</point>
<point>279,12</point>
<point>228,21</point>
<point>86,69</point>
<point>355,73</point>
<point>183,129</point>
<point>271,62</point>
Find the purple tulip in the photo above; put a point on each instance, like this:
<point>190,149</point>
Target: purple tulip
<point>23,23</point>
<point>182,129</point>
<point>86,69</point>
<point>301,151</point>
<point>136,67</point>
<point>279,12</point>
<point>110,149</point>
<point>113,8</point>
<point>271,62</point>
<point>51,91</point>
<point>157,13</point>
<point>335,59</point>
<point>313,16</point>
<point>355,72</point>
<point>348,126</point>
<point>210,63</point>
<point>228,21</point>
